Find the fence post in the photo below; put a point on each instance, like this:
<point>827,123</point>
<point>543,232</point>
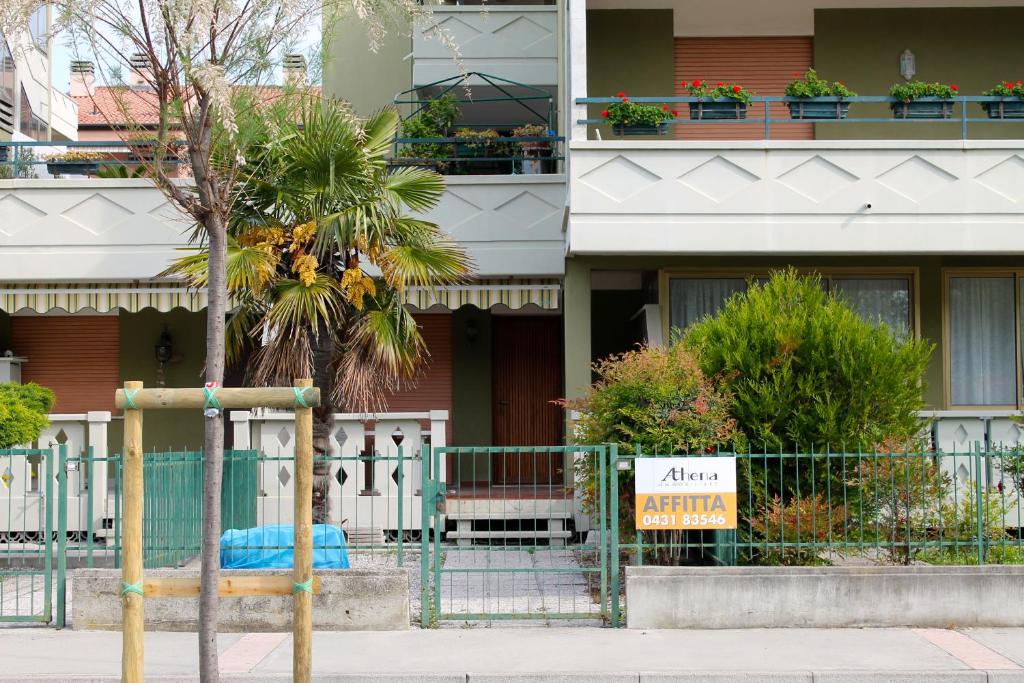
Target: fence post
<point>241,438</point>
<point>133,620</point>
<point>97,481</point>
<point>426,496</point>
<point>302,566</point>
<point>979,505</point>
<point>613,545</point>
<point>401,506</point>
<point>62,532</point>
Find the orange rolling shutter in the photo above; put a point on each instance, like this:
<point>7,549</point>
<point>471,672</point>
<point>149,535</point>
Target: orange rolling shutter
<point>763,65</point>
<point>433,391</point>
<point>78,356</point>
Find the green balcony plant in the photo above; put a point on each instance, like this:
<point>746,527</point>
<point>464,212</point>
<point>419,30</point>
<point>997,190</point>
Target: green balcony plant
<point>721,101</point>
<point>435,120</point>
<point>920,100</point>
<point>1012,104</point>
<point>75,162</point>
<point>810,85</point>
<point>634,118</point>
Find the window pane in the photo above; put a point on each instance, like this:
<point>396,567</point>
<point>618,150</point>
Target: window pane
<point>983,370</point>
<point>691,299</point>
<point>878,300</point>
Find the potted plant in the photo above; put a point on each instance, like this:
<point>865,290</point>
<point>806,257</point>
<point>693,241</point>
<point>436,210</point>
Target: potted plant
<point>634,118</point>
<point>1011,106</point>
<point>920,100</point>
<point>722,101</point>
<point>74,162</point>
<point>486,145</point>
<point>533,150</point>
<point>434,120</point>
<point>809,92</point>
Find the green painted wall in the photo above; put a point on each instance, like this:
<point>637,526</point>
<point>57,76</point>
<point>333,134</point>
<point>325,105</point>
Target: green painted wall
<point>929,296</point>
<point>139,333</point>
<point>368,80</point>
<point>629,50</point>
<point>471,387</point>
<point>975,48</point>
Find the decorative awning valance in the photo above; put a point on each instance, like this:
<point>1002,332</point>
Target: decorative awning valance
<point>165,296</point>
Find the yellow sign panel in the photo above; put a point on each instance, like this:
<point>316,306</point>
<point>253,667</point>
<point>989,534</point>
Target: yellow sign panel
<point>686,493</point>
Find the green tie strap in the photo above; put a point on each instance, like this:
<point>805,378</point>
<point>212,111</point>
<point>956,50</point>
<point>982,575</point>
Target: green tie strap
<point>127,588</point>
<point>304,587</point>
<point>300,398</point>
<point>129,399</point>
<point>211,398</point>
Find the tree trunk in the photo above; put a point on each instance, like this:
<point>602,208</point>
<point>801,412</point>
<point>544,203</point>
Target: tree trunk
<point>214,451</point>
<point>323,424</point>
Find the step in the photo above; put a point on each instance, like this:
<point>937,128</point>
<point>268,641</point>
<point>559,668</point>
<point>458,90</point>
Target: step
<point>509,534</point>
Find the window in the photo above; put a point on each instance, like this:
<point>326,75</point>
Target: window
<point>37,28</point>
<point>983,339</point>
<point>883,298</point>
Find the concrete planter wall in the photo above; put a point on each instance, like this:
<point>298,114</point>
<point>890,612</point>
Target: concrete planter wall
<point>824,597</point>
<point>350,600</point>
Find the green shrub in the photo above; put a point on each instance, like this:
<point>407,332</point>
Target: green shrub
<point>23,411</point>
<point>805,371</point>
<point>654,398</point>
<point>907,92</point>
<point>813,85</point>
<point>435,120</point>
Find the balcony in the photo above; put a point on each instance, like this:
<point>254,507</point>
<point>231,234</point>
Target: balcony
<point>520,42</point>
<point>816,196</point>
<point>81,227</point>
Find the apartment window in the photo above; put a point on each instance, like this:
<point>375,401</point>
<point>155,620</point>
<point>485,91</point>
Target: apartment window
<point>884,298</point>
<point>982,312</point>
<point>37,28</point>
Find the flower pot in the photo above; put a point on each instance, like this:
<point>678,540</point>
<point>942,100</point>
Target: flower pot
<point>72,167</point>
<point>623,129</point>
<point>810,110</point>
<point>924,108</point>
<point>1005,109</point>
<point>725,108</point>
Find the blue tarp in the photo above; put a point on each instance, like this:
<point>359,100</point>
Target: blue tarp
<point>271,547</point>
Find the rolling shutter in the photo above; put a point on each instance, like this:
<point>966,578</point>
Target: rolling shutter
<point>763,65</point>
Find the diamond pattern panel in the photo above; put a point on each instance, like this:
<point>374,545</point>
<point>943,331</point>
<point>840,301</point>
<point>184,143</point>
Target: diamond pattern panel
<point>1006,178</point>
<point>522,32</point>
<point>817,178</point>
<point>619,178</point>
<point>916,179</point>
<point>459,30</point>
<point>526,210</point>
<point>97,214</point>
<point>718,178</point>
<point>17,215</point>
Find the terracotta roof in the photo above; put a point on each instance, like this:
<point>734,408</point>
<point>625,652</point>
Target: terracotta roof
<point>106,107</point>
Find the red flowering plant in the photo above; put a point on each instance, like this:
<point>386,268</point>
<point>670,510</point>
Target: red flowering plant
<point>705,91</point>
<point>1007,89</point>
<point>908,92</point>
<point>628,113</point>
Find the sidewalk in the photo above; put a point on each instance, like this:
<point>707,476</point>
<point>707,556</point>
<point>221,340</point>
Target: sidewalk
<point>591,655</point>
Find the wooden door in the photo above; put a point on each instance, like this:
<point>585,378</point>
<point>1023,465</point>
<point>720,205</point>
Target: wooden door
<point>527,367</point>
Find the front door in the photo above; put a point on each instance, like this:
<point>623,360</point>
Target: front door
<point>527,378</point>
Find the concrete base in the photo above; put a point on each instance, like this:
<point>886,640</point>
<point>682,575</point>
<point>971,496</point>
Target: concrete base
<point>349,600</point>
<point>823,597</point>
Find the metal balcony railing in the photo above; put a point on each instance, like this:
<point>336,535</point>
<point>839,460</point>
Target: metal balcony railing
<point>960,111</point>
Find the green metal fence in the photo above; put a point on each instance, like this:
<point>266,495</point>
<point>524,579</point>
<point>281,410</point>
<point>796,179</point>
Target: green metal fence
<point>26,535</point>
<point>834,508</point>
<point>508,534</point>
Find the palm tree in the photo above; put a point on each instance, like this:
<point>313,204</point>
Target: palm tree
<point>320,250</point>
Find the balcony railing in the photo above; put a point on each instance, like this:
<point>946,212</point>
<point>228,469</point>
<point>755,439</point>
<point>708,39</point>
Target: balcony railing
<point>765,111</point>
<point>29,159</point>
<point>529,155</point>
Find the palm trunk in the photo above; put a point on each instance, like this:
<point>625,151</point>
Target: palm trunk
<point>214,454</point>
<point>323,423</point>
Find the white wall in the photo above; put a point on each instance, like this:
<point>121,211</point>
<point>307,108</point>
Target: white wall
<point>807,197</point>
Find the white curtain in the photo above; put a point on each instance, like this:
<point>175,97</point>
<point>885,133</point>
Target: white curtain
<point>982,356</point>
<point>876,300</point>
<point>691,299</point>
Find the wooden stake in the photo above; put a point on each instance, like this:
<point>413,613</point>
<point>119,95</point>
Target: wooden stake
<point>227,587</point>
<point>131,539</point>
<point>228,397</point>
<point>302,609</point>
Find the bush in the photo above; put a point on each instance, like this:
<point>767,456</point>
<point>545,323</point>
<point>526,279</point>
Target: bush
<point>794,531</point>
<point>804,370</point>
<point>654,398</point>
<point>23,411</point>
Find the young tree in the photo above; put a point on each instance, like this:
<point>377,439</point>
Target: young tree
<point>196,54</point>
<point>23,413</point>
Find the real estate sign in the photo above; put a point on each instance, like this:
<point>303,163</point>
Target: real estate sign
<point>686,493</point>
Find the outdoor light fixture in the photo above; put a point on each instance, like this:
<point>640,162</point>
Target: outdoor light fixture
<point>397,436</point>
<point>908,64</point>
<point>164,352</point>
<point>472,331</point>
